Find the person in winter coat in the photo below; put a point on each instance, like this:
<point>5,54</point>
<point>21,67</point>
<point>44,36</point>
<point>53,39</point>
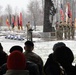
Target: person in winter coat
<point>29,33</point>
<point>16,64</point>
<point>31,56</point>
<point>51,67</point>
<point>3,56</point>
<point>65,57</point>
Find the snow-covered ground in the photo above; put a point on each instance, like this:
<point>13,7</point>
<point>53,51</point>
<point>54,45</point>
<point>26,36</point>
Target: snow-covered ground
<point>42,48</point>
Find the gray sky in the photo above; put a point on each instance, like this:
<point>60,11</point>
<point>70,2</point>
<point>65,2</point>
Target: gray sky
<point>15,4</point>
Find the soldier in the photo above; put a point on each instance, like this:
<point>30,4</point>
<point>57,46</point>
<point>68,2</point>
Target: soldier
<point>29,31</point>
<point>60,31</point>
<point>68,30</point>
<point>56,26</point>
<point>72,30</point>
<point>57,31</point>
<point>65,30</point>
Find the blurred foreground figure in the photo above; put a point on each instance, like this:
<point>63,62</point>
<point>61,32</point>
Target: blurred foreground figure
<point>51,67</point>
<point>64,57</point>
<point>16,64</point>
<point>30,66</point>
<point>3,56</point>
<point>31,56</point>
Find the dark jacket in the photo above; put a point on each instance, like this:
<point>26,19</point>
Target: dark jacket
<point>51,67</point>
<point>3,57</point>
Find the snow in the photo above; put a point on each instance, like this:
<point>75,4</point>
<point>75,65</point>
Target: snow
<point>42,48</point>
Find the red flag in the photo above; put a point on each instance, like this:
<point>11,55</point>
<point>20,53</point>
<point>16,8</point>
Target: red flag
<point>20,19</point>
<point>68,13</point>
<point>62,13</point>
<point>69,10</point>
<point>7,22</point>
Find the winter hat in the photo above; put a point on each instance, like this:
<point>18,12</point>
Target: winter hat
<point>16,47</point>
<point>16,61</point>
<point>59,44</point>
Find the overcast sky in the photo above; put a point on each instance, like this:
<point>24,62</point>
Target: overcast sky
<point>15,4</point>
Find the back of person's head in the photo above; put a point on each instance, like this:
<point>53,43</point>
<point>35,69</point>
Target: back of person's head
<point>16,61</point>
<point>1,47</point>
<point>63,55</point>
<point>28,21</point>
<point>16,47</point>
<point>58,44</point>
<point>32,68</point>
<point>29,45</point>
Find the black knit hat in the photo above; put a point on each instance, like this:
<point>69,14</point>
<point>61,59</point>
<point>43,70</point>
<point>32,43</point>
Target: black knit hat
<point>16,47</point>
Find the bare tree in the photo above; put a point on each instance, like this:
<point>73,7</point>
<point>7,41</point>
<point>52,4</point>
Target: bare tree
<point>23,17</point>
<point>9,12</point>
<point>36,12</point>
<point>0,9</point>
<point>8,9</point>
<point>1,18</point>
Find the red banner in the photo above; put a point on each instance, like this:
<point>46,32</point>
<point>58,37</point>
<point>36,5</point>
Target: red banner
<point>20,19</point>
<point>61,13</point>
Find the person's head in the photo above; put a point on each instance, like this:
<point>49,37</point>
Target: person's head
<point>58,44</point>
<point>63,55</point>
<point>29,46</point>
<point>28,21</point>
<point>60,22</point>
<point>16,61</point>
<point>65,21</point>
<point>1,47</point>
<point>16,47</point>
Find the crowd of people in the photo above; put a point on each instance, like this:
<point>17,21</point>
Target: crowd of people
<point>29,63</point>
<point>65,30</point>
